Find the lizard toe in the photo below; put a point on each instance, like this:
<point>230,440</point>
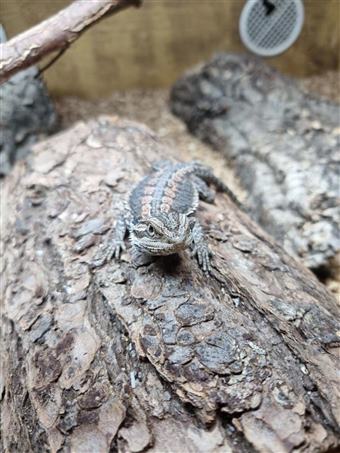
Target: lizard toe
<point>203,257</point>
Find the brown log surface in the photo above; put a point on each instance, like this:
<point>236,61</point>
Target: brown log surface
<point>55,33</point>
<point>282,142</point>
<point>161,358</point>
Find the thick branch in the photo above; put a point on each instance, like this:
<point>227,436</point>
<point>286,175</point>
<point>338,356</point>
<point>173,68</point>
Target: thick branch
<point>55,33</point>
<point>160,358</point>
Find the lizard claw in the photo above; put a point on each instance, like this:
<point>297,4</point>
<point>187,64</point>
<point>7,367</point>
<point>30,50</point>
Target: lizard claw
<point>203,254</point>
<point>115,250</point>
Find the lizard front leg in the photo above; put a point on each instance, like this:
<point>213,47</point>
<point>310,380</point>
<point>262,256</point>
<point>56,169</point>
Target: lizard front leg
<point>114,245</point>
<point>116,242</point>
<point>200,247</point>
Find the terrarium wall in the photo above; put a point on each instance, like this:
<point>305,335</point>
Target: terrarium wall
<point>152,46</point>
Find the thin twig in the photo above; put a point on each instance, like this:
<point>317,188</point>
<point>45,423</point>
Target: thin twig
<point>52,61</point>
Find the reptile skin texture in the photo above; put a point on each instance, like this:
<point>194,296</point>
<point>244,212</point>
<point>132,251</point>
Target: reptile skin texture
<point>159,214</point>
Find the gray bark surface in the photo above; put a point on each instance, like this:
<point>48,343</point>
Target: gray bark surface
<point>283,144</point>
<point>27,113</point>
<point>161,358</point>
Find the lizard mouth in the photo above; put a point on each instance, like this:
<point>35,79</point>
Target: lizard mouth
<point>161,248</point>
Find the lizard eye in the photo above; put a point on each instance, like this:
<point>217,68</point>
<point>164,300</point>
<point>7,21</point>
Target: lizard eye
<point>151,230</point>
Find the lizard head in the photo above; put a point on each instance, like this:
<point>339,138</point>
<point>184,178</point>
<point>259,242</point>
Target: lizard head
<point>162,235</point>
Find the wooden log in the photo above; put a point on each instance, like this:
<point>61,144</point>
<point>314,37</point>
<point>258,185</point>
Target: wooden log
<point>159,358</point>
<point>282,143</point>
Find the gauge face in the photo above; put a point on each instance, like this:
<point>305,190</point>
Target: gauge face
<point>269,27</point>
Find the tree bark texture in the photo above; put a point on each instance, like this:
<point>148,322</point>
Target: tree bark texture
<point>55,33</point>
<point>283,144</point>
<point>160,358</point>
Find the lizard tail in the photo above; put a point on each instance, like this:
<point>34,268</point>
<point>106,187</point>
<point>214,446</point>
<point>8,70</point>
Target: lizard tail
<point>208,176</point>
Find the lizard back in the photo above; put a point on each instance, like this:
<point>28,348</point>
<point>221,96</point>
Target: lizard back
<point>168,189</point>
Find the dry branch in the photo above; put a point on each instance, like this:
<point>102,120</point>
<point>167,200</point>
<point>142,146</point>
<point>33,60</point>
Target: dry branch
<point>160,358</point>
<point>55,33</point>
